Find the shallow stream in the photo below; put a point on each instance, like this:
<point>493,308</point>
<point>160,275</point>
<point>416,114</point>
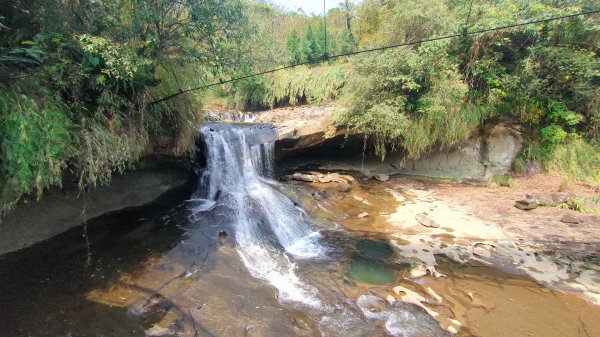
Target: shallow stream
<point>248,255</point>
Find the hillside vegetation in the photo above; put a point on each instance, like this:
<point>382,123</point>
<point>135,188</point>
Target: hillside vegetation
<point>79,79</point>
<point>430,96</point>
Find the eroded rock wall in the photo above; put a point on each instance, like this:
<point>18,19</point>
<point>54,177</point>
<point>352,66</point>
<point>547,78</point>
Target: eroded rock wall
<point>60,209</point>
<point>489,152</point>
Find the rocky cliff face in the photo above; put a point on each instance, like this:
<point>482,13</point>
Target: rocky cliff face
<point>489,152</point>
<point>298,127</point>
<point>307,134</point>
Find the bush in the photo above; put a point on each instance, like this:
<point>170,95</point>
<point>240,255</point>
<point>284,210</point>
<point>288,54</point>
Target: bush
<point>36,143</point>
<point>410,99</point>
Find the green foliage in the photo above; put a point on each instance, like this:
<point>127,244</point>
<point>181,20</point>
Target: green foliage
<point>581,205</point>
<point>36,142</point>
<point>114,60</point>
<point>76,82</point>
<point>575,158</point>
<point>347,43</point>
<point>409,99</point>
<point>293,47</point>
<point>310,50</point>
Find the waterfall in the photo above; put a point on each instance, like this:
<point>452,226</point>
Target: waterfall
<point>270,231</point>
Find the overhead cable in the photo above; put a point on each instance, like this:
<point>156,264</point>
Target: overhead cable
<point>330,57</point>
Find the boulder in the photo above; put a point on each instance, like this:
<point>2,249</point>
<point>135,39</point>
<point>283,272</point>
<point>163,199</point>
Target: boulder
<point>417,271</point>
<point>381,177</point>
<point>424,220</point>
<point>526,204</point>
<point>571,218</point>
<point>304,177</point>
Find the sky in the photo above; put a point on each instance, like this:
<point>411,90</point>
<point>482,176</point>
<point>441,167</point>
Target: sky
<point>309,6</point>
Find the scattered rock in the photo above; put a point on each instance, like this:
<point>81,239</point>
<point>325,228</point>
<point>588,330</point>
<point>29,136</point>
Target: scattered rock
<point>381,177</point>
<point>363,215</point>
<point>549,199</point>
<point>526,204</point>
<point>418,271</point>
<point>571,218</point>
<point>157,331</point>
<point>304,177</point>
<point>424,220</point>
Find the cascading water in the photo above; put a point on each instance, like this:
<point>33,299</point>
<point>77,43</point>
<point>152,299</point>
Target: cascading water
<point>270,230</point>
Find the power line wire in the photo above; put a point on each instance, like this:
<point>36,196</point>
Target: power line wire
<point>464,33</point>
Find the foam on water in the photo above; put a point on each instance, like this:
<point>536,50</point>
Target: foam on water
<point>269,227</point>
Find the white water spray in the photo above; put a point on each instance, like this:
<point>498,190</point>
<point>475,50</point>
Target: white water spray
<point>270,229</point>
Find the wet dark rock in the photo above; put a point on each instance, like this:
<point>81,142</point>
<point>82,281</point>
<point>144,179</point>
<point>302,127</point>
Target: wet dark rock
<point>526,204</point>
<point>426,221</point>
<point>158,180</point>
<point>222,234</point>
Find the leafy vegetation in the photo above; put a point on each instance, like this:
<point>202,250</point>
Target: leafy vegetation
<point>77,79</point>
<point>432,96</point>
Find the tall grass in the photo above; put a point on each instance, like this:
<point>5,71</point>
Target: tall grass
<point>300,85</point>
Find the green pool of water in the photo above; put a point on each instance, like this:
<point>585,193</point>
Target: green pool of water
<point>371,271</point>
<point>374,249</point>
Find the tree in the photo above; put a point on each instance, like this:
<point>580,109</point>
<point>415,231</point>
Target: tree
<point>347,43</point>
<point>293,47</point>
<point>309,46</point>
<point>347,6</point>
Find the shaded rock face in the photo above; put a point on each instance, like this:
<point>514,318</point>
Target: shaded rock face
<point>490,152</point>
<point>154,180</point>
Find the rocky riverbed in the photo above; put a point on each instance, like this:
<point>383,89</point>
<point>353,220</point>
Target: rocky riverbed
<point>475,260</point>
